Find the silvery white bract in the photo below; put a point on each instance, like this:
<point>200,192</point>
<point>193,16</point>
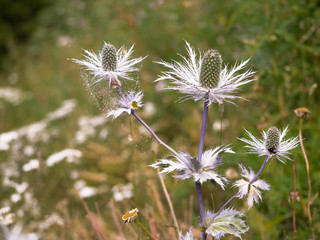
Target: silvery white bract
<point>188,167</point>
<point>227,222</point>
<point>188,236</point>
<point>252,190</point>
<point>258,146</point>
<point>185,78</point>
<point>134,100</point>
<point>124,65</point>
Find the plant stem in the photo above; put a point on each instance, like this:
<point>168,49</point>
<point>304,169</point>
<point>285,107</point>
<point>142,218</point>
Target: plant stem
<point>144,124</point>
<point>260,170</point>
<point>153,133</point>
<point>198,184</point>
<point>294,199</point>
<point>236,195</point>
<point>164,188</point>
<point>146,230</point>
<point>308,177</point>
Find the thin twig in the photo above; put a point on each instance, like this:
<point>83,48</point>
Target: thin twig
<point>144,124</point>
<point>294,199</point>
<point>164,188</point>
<point>146,230</point>
<point>308,177</point>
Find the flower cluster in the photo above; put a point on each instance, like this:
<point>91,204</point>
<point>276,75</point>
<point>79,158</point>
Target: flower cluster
<point>200,78</point>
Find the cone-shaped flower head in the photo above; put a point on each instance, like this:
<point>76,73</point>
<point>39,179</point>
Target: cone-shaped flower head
<point>189,167</point>
<point>109,64</point>
<point>204,78</point>
<point>273,140</point>
<point>247,186</point>
<point>227,222</point>
<point>109,57</point>
<point>210,69</point>
<point>272,144</point>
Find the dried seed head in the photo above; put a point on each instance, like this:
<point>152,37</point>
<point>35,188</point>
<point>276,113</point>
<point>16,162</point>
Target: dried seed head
<point>109,57</point>
<point>302,112</point>
<point>273,140</point>
<point>210,69</point>
<point>131,215</point>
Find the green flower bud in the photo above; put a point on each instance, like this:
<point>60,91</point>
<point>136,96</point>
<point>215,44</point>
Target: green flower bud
<point>273,140</point>
<point>210,69</point>
<point>109,57</point>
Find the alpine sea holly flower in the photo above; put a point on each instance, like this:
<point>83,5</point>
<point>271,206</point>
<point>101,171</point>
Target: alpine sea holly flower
<point>204,78</point>
<point>188,167</point>
<point>188,236</point>
<point>246,186</point>
<point>272,144</point>
<point>227,222</point>
<point>110,64</point>
<point>134,101</point>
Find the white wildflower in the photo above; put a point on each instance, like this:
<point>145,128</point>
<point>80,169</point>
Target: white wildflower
<point>247,187</point>
<point>134,101</point>
<point>71,155</point>
<point>109,64</point>
<point>131,215</point>
<point>6,217</point>
<point>186,77</point>
<point>31,165</point>
<point>84,190</point>
<point>122,191</point>
<point>272,144</point>
<point>189,167</point>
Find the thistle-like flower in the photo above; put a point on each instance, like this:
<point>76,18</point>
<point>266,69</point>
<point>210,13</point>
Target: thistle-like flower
<point>204,78</point>
<point>272,144</point>
<point>227,222</point>
<point>188,167</point>
<point>188,236</point>
<point>245,186</point>
<point>134,101</point>
<point>110,64</point>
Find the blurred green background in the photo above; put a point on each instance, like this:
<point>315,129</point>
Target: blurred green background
<point>37,39</point>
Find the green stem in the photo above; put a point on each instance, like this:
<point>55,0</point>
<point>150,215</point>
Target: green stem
<point>146,230</point>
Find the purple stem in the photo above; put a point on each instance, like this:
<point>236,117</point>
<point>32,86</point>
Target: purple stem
<point>144,124</point>
<point>198,184</point>
<point>236,195</point>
